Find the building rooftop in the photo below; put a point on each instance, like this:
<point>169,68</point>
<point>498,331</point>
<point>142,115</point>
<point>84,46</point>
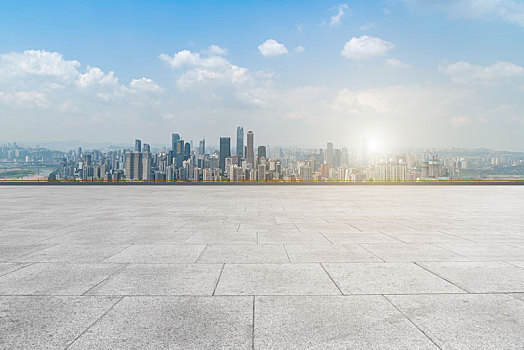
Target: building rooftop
<point>261,267</point>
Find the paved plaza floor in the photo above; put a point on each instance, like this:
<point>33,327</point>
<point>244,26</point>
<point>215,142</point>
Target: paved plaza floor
<point>262,267</point>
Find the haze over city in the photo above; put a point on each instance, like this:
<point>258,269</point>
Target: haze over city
<point>398,73</point>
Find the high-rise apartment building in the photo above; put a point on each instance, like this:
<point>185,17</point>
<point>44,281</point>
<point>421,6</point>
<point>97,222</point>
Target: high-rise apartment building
<point>225,152</point>
<point>261,173</point>
<point>390,171</point>
<point>240,141</point>
<point>250,156</point>
<point>133,168</point>
<point>146,166</point>
<point>324,170</point>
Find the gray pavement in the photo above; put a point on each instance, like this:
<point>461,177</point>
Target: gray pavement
<point>262,267</point>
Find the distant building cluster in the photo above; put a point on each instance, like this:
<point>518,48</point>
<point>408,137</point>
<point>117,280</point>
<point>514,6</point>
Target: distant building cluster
<point>246,161</point>
<point>15,153</point>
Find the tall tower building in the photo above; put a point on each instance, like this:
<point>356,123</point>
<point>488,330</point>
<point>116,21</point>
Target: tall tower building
<point>187,150</point>
<point>329,154</point>
<point>225,152</point>
<point>138,146</point>
<point>240,141</point>
<point>202,147</point>
<point>146,164</point>
<point>174,139</point>
<point>179,153</point>
<point>250,156</point>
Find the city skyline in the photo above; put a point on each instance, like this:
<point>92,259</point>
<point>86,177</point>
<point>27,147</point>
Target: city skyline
<point>404,73</point>
<point>255,161</point>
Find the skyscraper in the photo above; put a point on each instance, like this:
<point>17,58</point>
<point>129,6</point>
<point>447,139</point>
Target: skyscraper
<point>250,156</point>
<point>329,154</point>
<point>261,153</point>
<point>179,153</point>
<point>225,152</point>
<point>187,150</point>
<point>202,147</point>
<point>174,139</point>
<point>146,166</point>
<point>138,146</point>
<point>240,141</point>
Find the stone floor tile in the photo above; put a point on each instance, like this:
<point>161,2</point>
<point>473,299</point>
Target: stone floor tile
<point>74,253</point>
<point>480,277</point>
<point>466,321</point>
<point>275,279</point>
<point>6,268</point>
<point>351,322</point>
<point>236,253</point>
<point>161,279</point>
<point>358,237</point>
<point>329,253</point>
<point>485,251</point>
<point>173,323</point>
<point>55,279</point>
<point>47,323</point>
<point>11,251</point>
<point>412,252</point>
<point>158,254</point>
<point>290,237</point>
<point>222,238</point>
<point>387,278</point>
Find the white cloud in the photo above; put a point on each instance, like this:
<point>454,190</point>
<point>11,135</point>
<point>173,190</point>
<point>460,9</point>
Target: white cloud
<point>271,47</point>
<point>299,49</point>
<point>45,80</point>
<point>466,73</point>
<point>505,10</point>
<point>216,50</point>
<point>181,58</point>
<point>205,70</point>
<point>37,63</point>
<point>144,84</point>
<point>394,63</point>
<point>337,18</point>
<point>365,47</point>
<point>24,99</point>
<point>95,76</point>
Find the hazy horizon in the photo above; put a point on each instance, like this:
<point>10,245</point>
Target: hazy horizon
<point>403,73</point>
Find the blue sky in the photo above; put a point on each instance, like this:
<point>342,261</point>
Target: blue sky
<point>403,72</point>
